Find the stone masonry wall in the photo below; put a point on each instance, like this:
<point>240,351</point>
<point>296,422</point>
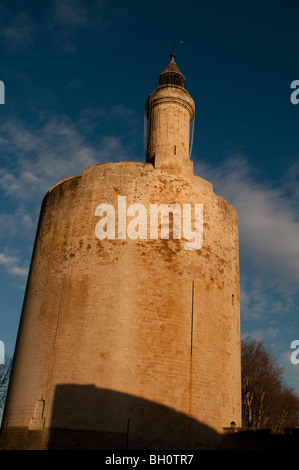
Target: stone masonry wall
<point>147,324</point>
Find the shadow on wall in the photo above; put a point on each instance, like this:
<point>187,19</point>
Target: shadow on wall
<point>87,417</point>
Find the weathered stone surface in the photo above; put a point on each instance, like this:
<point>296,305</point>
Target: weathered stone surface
<point>117,314</point>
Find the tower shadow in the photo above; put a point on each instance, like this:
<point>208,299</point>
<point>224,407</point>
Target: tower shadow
<point>87,417</point>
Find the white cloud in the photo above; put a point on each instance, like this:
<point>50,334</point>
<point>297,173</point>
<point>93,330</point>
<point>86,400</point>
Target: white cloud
<point>264,334</point>
<point>11,265</point>
<point>269,246</point>
<point>18,224</point>
<point>17,271</point>
<point>268,221</point>
<point>39,155</point>
<point>269,253</point>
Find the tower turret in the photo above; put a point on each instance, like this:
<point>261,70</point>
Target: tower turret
<point>170,111</point>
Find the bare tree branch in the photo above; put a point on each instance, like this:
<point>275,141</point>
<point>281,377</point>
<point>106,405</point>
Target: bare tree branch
<point>266,400</point>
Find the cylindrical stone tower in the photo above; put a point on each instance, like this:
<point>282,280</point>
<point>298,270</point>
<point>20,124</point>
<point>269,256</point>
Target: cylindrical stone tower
<point>130,329</point>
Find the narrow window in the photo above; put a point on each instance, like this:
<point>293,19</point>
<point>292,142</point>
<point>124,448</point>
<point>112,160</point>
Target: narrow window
<point>174,150</point>
<point>233,299</point>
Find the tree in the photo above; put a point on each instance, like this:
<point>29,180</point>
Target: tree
<point>266,400</point>
<point>5,370</point>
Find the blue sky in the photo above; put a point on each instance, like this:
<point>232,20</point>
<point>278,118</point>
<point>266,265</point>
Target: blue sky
<point>77,75</point>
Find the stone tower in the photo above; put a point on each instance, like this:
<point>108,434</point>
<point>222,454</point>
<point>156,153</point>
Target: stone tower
<point>130,330</point>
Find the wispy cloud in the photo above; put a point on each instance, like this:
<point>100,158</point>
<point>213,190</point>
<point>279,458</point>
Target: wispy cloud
<point>63,22</point>
<point>268,220</point>
<point>11,265</point>
<point>70,19</point>
<point>18,33</point>
<point>66,20</point>
<point>72,13</point>
<point>38,155</point>
<point>269,248</point>
<point>269,252</point>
